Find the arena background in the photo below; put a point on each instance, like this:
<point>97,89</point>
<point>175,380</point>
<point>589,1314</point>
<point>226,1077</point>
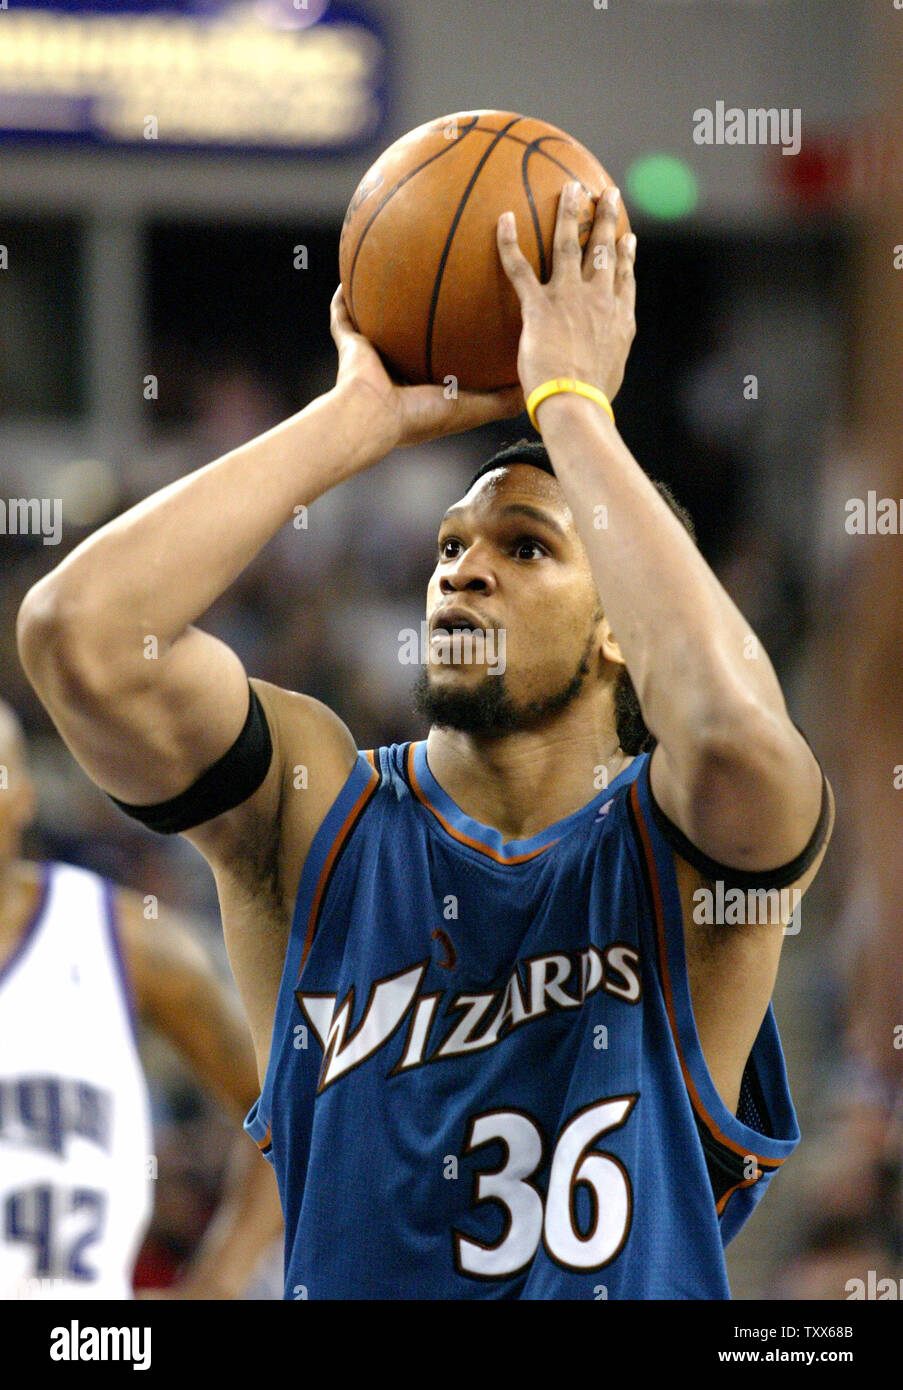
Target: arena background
<point>155,311</point>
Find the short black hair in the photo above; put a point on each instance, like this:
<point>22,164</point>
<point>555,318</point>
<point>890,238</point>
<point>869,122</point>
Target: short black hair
<point>633,736</point>
<point>524,451</point>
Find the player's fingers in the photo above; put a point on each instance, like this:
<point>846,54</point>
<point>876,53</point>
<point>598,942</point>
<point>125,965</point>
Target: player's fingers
<point>625,281</point>
<point>474,408</point>
<point>489,405</point>
<point>515,264</point>
<point>340,325</point>
<point>600,256</point>
<point>566,253</point>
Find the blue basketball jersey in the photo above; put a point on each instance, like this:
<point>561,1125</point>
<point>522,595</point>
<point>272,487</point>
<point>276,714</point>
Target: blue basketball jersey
<point>485,1079</point>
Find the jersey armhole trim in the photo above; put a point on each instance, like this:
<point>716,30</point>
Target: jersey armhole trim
<point>725,1169</point>
<point>731,1148</point>
<point>332,857</point>
<point>728,1171</point>
<point>356,793</point>
<point>726,1196</point>
<point>257,1128</point>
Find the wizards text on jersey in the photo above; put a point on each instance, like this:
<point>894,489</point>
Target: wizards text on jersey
<point>535,987</point>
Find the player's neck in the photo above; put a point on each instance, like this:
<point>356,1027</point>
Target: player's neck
<point>522,783</point>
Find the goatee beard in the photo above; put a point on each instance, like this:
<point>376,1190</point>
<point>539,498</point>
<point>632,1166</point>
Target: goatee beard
<point>489,707</point>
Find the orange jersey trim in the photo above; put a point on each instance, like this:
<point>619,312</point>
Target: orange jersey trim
<point>668,992</point>
<point>459,834</point>
<point>726,1196</point>
<point>325,872</point>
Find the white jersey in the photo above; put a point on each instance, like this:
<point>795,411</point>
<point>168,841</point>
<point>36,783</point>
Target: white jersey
<point>76,1154</point>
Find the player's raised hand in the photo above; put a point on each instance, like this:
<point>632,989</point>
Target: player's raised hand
<point>581,323</point>
<point>400,415</point>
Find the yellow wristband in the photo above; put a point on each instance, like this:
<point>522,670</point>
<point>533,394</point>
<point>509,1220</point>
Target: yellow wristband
<point>564,383</point>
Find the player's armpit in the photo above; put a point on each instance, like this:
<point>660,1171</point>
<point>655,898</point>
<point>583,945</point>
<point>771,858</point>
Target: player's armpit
<point>732,940</point>
<point>257,850</point>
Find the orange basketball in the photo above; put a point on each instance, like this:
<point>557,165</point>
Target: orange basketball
<point>418,257</point>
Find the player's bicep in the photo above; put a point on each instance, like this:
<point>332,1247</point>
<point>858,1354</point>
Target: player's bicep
<point>749,803</point>
<point>758,822</point>
<point>145,738</point>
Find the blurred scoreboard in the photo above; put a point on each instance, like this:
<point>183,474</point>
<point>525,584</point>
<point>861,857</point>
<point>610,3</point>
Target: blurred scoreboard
<point>251,75</point>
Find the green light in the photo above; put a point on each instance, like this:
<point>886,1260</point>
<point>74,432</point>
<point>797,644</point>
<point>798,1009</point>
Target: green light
<point>662,186</point>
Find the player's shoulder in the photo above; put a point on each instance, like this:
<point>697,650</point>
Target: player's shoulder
<point>312,751</point>
<point>74,902</point>
<point>264,840</point>
<point>301,725</point>
<point>293,717</point>
<point>393,765</point>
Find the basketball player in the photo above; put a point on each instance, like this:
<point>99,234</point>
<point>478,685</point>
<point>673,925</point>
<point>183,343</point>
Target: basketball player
<point>76,1150</point>
<point>503,1051</point>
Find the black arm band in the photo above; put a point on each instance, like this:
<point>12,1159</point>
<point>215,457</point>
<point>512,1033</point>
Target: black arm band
<point>782,877</point>
<point>225,785</point>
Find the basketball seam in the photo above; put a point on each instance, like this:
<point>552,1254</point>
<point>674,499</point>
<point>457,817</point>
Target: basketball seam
<point>453,144</point>
<point>446,250</point>
<point>531,203</point>
<point>534,148</point>
<point>535,144</point>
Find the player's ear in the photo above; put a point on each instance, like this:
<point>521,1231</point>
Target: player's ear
<point>608,645</point>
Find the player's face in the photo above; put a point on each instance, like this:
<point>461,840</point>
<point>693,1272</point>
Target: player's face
<point>511,566</point>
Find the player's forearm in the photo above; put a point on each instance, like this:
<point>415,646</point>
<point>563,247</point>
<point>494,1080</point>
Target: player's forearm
<point>163,563</point>
<point>695,664</point>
